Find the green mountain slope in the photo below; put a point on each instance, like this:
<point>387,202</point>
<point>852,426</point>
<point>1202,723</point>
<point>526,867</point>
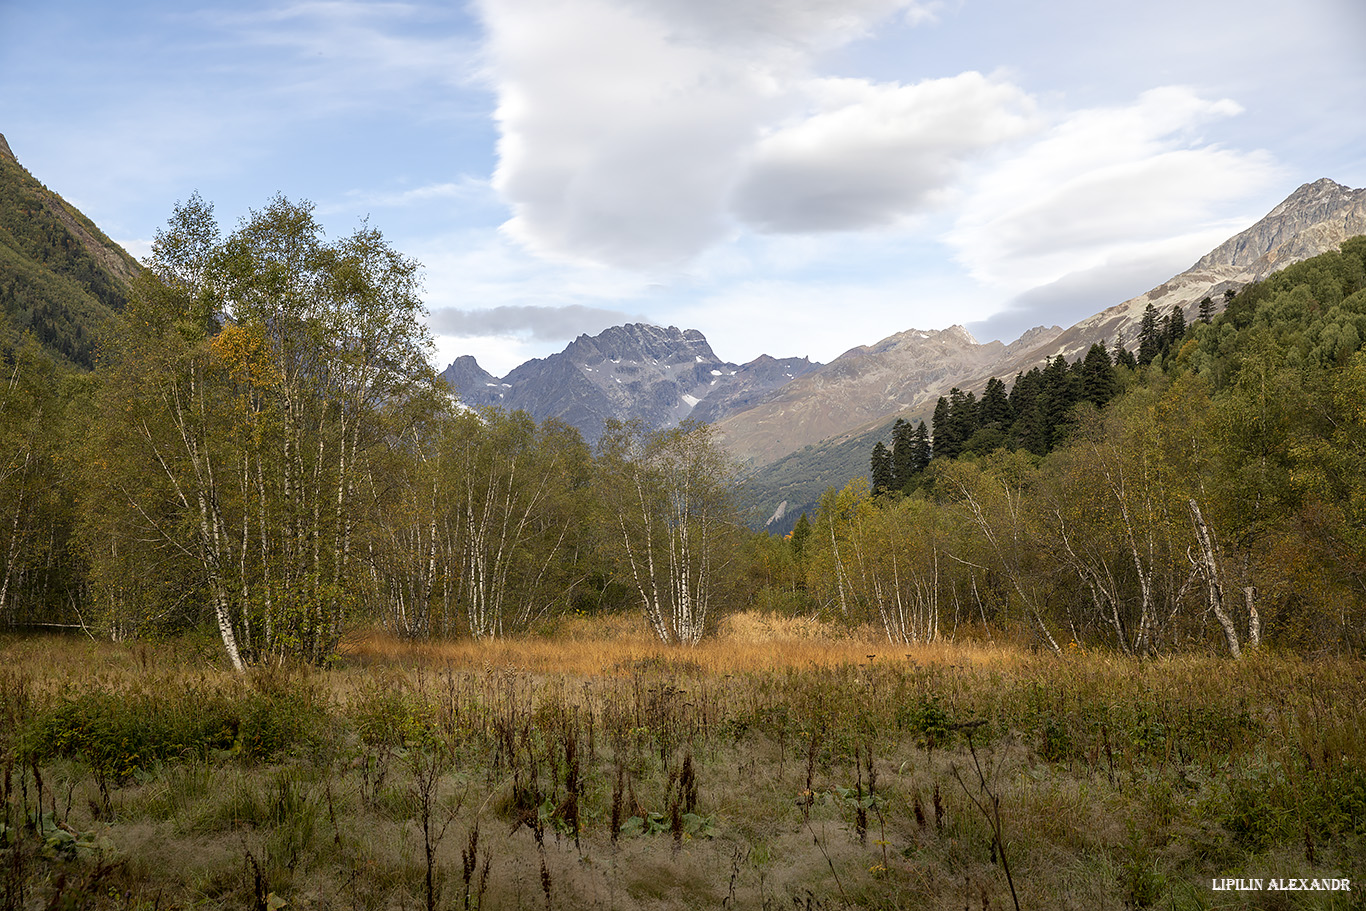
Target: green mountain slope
<point>60,276</point>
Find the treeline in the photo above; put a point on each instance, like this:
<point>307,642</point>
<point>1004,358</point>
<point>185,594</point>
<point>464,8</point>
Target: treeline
<point>1037,414</point>
<point>1212,490</point>
<point>265,451</point>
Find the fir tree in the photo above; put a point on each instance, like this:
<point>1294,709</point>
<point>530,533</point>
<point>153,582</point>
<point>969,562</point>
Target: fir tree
<point>995,405</point>
<point>1123,357</point>
<point>1058,395</point>
<point>902,454</point>
<point>1024,404</point>
<point>801,533</point>
<point>945,446</point>
<point>1149,337</point>
<point>1098,383</point>
<point>1176,327</point>
<point>1206,310</point>
<point>882,468</point>
<point>921,451</point>
<point>962,416</point>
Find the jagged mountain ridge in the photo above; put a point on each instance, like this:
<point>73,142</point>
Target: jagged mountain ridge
<point>658,375</point>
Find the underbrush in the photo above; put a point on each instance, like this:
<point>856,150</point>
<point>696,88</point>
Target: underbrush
<point>630,775</point>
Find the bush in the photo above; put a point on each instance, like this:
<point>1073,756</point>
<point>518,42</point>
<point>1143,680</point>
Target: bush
<point>120,733</point>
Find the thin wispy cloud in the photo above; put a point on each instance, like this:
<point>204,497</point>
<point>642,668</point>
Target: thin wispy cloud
<point>466,189</point>
<point>538,323</point>
<point>1108,184</point>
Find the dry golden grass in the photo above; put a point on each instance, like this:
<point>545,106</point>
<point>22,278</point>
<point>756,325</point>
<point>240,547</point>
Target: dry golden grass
<point>1117,779</point>
<point>744,642</point>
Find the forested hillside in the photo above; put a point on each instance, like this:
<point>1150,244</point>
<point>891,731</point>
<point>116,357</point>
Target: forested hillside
<point>264,452</point>
<point>1219,495</point>
<point>60,278</point>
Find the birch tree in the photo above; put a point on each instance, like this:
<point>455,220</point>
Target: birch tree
<point>997,500</point>
<point>258,375</point>
<point>38,576</point>
<point>881,560</point>
<point>669,500</point>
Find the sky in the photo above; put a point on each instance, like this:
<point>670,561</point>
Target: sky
<point>791,177</point>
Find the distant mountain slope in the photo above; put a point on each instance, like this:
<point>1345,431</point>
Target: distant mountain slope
<point>900,373</point>
<point>904,374</point>
<point>637,371</point>
<point>60,277</point>
<point>1314,219</point>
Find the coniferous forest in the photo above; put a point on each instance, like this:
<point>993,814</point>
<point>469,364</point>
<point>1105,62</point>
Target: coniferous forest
<point>1089,637</point>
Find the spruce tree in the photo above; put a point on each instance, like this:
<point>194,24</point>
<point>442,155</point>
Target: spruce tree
<point>995,405</point>
<point>1024,403</point>
<point>1206,310</point>
<point>1057,395</point>
<point>1098,383</point>
<point>801,533</point>
<point>1122,357</point>
<point>962,417</point>
<point>902,454</point>
<point>882,468</point>
<point>921,451</point>
<point>1176,327</point>
<point>945,446</point>
<point>1149,337</point>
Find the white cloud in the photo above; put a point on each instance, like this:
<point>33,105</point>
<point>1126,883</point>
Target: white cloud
<point>1108,184</point>
<point>628,126</point>
<point>618,142</point>
<point>871,153</point>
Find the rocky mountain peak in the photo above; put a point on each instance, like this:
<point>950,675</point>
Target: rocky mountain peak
<point>1321,192</point>
<point>659,375</point>
<point>641,341</point>
<point>1316,217</point>
<point>1033,338</point>
<point>5,152</point>
<point>961,334</point>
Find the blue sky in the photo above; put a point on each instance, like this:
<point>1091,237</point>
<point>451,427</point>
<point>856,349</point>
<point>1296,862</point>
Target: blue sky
<point>791,177</point>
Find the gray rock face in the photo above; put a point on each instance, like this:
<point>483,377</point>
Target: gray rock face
<point>1314,219</point>
<point>752,383</point>
<point>637,371</point>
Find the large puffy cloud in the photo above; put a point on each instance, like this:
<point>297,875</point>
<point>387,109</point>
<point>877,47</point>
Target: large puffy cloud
<point>1110,184</point>
<point>872,153</point>
<point>639,132</point>
<point>618,140</point>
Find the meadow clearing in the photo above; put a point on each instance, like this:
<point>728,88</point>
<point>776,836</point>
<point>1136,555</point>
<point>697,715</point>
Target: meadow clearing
<point>780,764</point>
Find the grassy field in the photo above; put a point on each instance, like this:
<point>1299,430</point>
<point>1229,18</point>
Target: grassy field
<point>780,765</point>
